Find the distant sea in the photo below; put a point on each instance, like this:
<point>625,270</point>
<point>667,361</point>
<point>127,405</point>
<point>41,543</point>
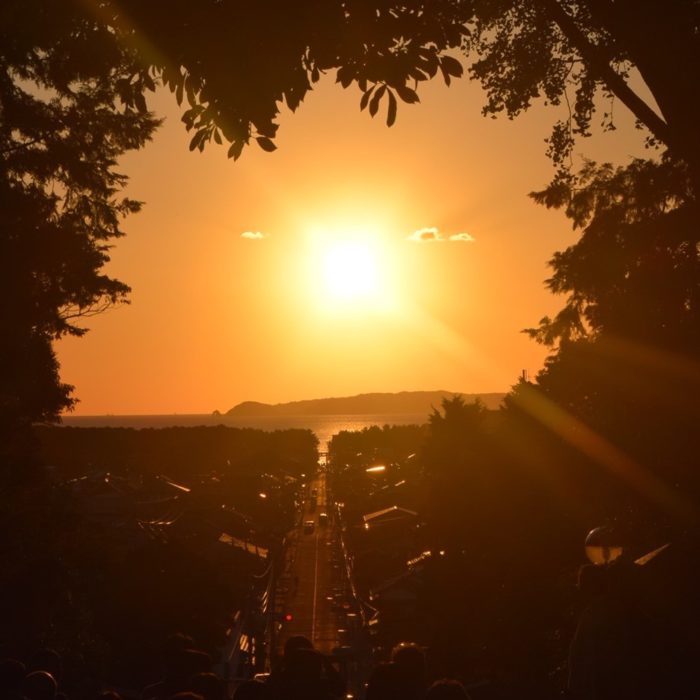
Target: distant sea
<point>325,426</point>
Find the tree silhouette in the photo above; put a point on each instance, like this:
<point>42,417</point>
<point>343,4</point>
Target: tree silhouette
<point>234,89</point>
<point>572,50</point>
<point>60,137</point>
<point>564,51</point>
<point>635,271</point>
<point>626,343</point>
<point>453,435</point>
<point>457,469</point>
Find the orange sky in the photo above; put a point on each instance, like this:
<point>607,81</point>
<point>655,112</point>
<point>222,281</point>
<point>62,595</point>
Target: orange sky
<point>216,319</point>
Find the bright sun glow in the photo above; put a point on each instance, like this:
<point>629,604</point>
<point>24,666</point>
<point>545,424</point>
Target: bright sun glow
<point>350,270</point>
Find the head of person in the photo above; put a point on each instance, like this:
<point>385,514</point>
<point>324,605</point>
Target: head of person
<point>47,660</point>
<point>189,663</point>
<point>410,659</point>
<point>208,685</point>
<point>108,695</point>
<point>174,645</point>
<point>250,690</point>
<point>447,689</point>
<point>39,685</point>
<point>304,665</point>
<point>386,682</point>
<point>296,642</point>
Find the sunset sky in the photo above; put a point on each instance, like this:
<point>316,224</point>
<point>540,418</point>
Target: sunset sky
<point>330,292</point>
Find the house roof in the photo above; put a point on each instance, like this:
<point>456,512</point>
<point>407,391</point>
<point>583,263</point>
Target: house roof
<point>405,582</point>
<point>388,514</point>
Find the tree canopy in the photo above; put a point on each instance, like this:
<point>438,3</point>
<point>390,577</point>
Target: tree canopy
<point>635,270</point>
<point>75,75</point>
<point>562,51</point>
<point>61,134</point>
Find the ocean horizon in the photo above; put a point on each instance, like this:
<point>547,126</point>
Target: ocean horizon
<point>324,426</point>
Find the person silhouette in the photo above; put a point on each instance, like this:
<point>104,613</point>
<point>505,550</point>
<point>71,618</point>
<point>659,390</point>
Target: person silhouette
<point>39,685</point>
<point>250,690</point>
<point>304,674</point>
<point>611,655</point>
<point>447,689</point>
<point>410,660</point>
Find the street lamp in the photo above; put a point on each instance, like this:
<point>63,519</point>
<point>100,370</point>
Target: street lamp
<point>603,545</point>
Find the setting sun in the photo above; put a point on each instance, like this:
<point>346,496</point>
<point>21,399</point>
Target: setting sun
<point>350,270</point>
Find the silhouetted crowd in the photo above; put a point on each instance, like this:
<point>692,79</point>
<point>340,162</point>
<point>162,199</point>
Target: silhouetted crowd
<point>303,674</point>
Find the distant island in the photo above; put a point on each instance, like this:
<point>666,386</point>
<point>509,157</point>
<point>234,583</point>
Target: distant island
<point>404,402</point>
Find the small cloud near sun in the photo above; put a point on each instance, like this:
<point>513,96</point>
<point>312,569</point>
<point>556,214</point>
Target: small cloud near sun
<point>254,235</point>
<point>423,235</point>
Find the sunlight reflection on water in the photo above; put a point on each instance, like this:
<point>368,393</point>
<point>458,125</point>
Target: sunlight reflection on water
<point>324,426</point>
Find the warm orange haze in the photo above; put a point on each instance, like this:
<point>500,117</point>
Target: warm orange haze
<point>300,273</point>
<point>380,323</point>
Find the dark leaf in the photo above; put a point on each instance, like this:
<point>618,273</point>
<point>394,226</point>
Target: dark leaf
<point>266,144</point>
<point>293,98</point>
<point>451,66</point>
<point>391,114</point>
<point>269,129</point>
<point>430,64</point>
<point>231,132</point>
<point>196,140</point>
<point>365,98</point>
<point>374,102</point>
<point>140,102</point>
<point>344,76</point>
<point>445,75</point>
<point>407,94</point>
<point>190,92</point>
<point>236,149</point>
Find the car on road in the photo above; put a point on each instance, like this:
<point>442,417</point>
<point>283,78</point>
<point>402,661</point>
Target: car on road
<point>309,527</point>
<point>322,519</point>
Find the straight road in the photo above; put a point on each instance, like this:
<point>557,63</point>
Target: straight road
<point>315,595</point>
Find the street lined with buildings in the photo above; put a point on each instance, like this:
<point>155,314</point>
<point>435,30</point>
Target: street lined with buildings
<point>313,592</point>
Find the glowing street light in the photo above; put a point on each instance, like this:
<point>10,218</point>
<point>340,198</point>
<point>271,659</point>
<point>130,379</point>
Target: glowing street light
<point>262,495</point>
<point>376,470</point>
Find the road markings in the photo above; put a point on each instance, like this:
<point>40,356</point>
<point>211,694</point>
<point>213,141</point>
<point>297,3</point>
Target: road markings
<point>313,609</point>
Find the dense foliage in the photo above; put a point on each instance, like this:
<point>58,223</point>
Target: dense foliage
<point>182,453</point>
<point>61,134</point>
<point>566,51</point>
